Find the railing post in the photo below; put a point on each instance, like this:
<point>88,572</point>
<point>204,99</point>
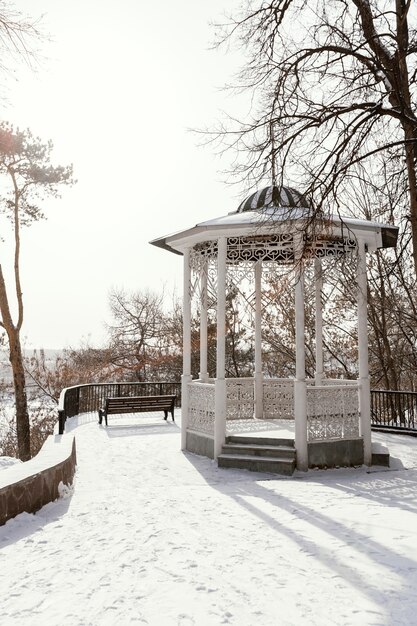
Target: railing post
<point>300,385</point>
<point>203,374</point>
<point>186,374</point>
<point>365,391</point>
<point>318,275</point>
<point>220,382</point>
<point>61,422</point>
<point>259,407</point>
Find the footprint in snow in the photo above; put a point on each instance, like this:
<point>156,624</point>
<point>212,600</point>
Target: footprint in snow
<point>185,620</point>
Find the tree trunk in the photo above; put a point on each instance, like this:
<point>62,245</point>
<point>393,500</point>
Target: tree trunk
<point>16,361</point>
<point>22,413</point>
<point>412,181</point>
<point>402,101</point>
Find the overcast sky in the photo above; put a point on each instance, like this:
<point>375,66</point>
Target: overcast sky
<point>120,84</point>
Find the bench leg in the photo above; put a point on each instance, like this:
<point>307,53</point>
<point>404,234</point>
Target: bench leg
<point>172,415</point>
<point>166,415</point>
<point>102,413</point>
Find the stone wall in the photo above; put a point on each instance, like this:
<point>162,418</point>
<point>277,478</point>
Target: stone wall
<point>27,487</point>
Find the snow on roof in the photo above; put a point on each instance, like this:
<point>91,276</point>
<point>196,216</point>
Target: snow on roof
<point>269,216</point>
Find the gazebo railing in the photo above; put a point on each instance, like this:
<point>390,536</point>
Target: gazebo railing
<point>396,410</point>
<point>201,407</point>
<point>328,382</point>
<point>339,417</point>
<point>240,398</point>
<point>332,412</point>
<point>278,398</point>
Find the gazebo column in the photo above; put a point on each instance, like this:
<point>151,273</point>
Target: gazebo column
<point>364,384</point>
<point>203,375</point>
<point>300,386</point>
<point>318,275</point>
<point>186,372</point>
<point>220,383</point>
<point>259,409</point>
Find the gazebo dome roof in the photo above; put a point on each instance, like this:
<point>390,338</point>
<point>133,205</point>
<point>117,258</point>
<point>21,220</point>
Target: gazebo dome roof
<point>273,196</point>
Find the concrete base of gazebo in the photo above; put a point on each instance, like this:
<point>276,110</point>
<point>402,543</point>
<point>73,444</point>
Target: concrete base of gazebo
<point>332,434</point>
<point>324,454</point>
<point>339,453</point>
<point>321,454</point>
<point>199,443</point>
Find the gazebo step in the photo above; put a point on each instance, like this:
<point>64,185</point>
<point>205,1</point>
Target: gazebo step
<point>287,452</point>
<point>274,465</point>
<point>261,441</point>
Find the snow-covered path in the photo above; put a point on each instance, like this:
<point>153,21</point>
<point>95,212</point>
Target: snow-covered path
<point>153,536</point>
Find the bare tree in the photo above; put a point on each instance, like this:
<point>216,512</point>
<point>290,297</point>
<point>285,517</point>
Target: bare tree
<point>392,285</point>
<point>73,366</point>
<point>335,84</point>
<point>18,37</point>
<point>27,178</point>
<point>239,349</point>
<point>377,193</point>
<point>137,334</point>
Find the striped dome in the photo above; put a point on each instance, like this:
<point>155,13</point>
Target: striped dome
<point>273,197</point>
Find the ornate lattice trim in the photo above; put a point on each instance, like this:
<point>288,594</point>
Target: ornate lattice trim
<point>240,398</point>
<point>278,248</point>
<point>201,407</point>
<point>330,246</point>
<point>278,399</point>
<point>332,412</point>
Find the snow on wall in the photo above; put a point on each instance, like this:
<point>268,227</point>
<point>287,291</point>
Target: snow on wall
<point>27,487</point>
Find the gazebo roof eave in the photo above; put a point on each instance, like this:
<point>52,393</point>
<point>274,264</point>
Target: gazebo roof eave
<point>380,235</point>
<point>176,242</point>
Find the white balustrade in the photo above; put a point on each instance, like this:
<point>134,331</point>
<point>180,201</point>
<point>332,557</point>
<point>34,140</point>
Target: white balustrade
<point>201,407</point>
<point>332,381</point>
<point>332,412</point>
<point>339,382</point>
<point>332,409</point>
<point>278,398</point>
<point>240,398</point>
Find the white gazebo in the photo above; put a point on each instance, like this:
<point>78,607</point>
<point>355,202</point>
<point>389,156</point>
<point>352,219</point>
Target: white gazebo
<point>272,228</point>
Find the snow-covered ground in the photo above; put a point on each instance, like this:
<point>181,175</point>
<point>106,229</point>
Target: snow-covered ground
<point>154,536</point>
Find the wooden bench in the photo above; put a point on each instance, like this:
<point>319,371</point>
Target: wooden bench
<point>137,404</point>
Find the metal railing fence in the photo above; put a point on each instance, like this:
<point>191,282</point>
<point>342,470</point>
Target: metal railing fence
<point>89,398</point>
<point>395,410</point>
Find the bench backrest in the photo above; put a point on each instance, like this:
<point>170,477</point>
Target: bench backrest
<point>140,401</point>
